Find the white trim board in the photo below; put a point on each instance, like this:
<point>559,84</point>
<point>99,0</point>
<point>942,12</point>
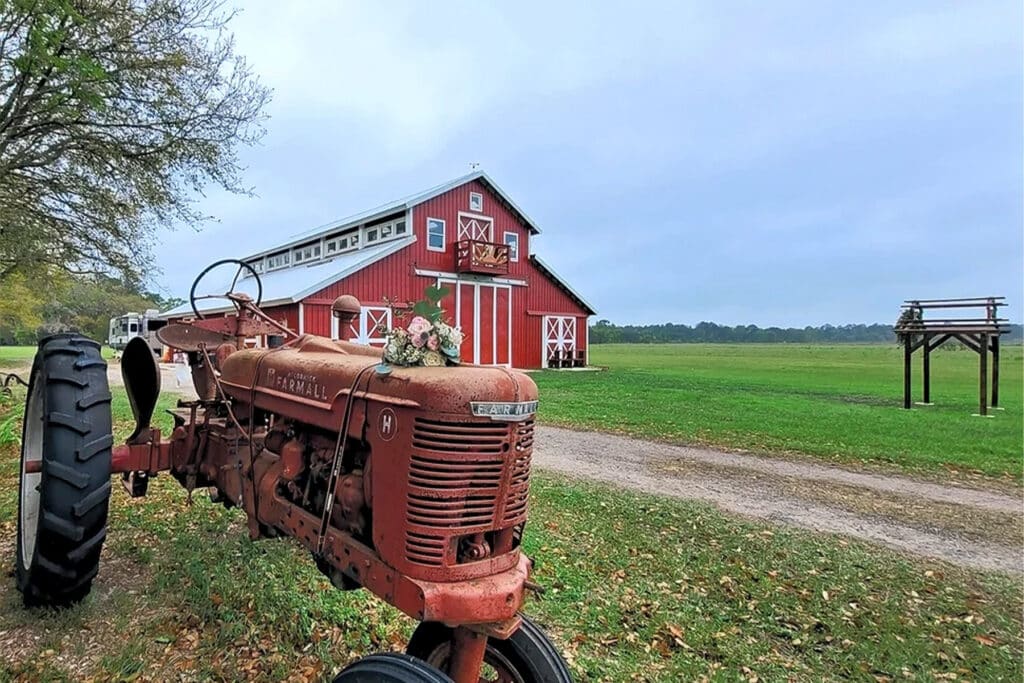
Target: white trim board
<point>480,279</point>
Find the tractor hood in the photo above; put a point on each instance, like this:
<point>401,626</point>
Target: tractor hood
<point>311,378</point>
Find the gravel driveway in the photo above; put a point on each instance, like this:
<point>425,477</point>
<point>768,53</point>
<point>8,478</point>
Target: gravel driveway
<point>965,526</point>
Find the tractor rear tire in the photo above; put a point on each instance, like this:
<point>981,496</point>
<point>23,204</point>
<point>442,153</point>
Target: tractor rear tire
<point>390,667</point>
<point>62,502</point>
<point>527,656</point>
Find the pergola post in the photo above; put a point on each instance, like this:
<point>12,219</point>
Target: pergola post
<point>983,376</point>
<point>995,371</point>
<point>926,370</point>
<point>907,341</point>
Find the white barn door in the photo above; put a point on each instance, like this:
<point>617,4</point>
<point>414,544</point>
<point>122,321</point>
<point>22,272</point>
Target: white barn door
<point>473,227</point>
<point>559,338</point>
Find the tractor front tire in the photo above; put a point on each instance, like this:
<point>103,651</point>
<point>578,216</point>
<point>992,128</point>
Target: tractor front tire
<point>65,472</point>
<point>390,667</point>
<point>528,655</point>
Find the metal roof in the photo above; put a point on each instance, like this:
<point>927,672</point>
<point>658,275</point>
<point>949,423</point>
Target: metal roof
<point>558,280</point>
<point>393,207</point>
<point>292,284</point>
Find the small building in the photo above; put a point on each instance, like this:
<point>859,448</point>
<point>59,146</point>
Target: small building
<point>467,236</point>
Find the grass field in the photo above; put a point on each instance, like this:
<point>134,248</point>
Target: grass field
<point>20,356</point>
<point>842,403</point>
<point>639,589</point>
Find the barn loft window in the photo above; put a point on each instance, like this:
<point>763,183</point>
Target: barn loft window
<point>279,260</point>
<point>386,231</point>
<point>308,252</point>
<point>435,234</point>
<point>257,265</point>
<point>476,201</point>
<point>512,240</point>
<point>341,243</point>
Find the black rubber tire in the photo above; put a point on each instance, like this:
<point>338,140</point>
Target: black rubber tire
<point>74,488</point>
<point>529,651</point>
<point>390,667</point>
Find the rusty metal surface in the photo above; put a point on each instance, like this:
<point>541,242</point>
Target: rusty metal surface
<point>191,337</point>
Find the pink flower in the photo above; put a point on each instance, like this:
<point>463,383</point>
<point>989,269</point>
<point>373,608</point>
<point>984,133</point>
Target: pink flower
<point>419,328</point>
<point>432,342</point>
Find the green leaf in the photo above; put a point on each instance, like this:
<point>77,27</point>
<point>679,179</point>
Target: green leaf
<point>435,294</point>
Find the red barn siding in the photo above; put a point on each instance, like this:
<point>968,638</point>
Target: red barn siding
<point>316,319</point>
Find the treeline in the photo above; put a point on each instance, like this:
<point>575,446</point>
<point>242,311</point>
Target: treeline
<point>47,300</point>
<point>606,332</point>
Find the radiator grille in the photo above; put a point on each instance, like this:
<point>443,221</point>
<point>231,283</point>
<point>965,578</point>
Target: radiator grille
<point>519,475</point>
<point>459,437</point>
<point>457,472</point>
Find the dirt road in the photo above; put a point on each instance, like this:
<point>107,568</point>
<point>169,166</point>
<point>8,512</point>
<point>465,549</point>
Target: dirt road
<point>969,527</point>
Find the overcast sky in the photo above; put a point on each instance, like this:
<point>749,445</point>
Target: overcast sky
<point>767,163</point>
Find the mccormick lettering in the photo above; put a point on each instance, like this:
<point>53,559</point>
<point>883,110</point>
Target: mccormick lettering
<point>297,383</point>
<point>508,412</point>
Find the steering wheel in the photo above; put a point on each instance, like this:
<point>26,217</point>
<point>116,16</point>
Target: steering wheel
<point>230,294</point>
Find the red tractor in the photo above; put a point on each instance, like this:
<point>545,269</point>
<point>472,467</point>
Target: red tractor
<point>410,482</point>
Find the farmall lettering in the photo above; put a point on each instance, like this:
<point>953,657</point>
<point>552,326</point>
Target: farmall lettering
<point>504,412</point>
<point>411,483</point>
<point>297,383</point>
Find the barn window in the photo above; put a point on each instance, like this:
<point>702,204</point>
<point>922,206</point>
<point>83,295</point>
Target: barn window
<point>372,326</point>
<point>512,240</point>
<point>400,228</point>
<point>279,260</point>
<point>341,243</point>
<point>476,201</point>
<point>371,235</point>
<point>435,234</point>
<point>307,253</point>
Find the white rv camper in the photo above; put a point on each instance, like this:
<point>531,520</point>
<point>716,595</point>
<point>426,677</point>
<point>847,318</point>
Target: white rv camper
<point>126,327</point>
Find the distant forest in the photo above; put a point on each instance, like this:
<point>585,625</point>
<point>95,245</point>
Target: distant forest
<point>606,332</point>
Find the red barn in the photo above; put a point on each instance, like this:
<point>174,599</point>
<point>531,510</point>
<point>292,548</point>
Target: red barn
<point>467,236</point>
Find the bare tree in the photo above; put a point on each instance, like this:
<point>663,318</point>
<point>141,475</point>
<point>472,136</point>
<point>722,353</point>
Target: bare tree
<point>114,116</point>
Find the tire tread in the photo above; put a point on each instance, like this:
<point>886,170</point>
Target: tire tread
<point>75,486</point>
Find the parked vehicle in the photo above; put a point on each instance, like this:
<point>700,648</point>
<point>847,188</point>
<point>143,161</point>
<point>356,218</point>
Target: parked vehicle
<point>126,327</point>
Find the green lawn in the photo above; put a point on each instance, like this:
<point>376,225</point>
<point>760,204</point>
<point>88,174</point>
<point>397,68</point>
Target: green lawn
<point>842,403</point>
<point>21,356</point>
<point>639,588</point>
<point>16,356</point>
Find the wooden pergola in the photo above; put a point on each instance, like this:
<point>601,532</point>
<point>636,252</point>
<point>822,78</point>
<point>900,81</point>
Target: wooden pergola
<point>979,333</point>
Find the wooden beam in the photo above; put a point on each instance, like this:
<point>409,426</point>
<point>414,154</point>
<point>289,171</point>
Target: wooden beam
<point>926,371</point>
<point>995,372</point>
<point>918,344</point>
<point>906,373</point>
<point>983,377</point>
<point>942,339</point>
<point>972,344</point>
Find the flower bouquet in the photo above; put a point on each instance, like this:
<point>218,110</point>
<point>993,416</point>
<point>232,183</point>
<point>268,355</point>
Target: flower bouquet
<point>427,339</point>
